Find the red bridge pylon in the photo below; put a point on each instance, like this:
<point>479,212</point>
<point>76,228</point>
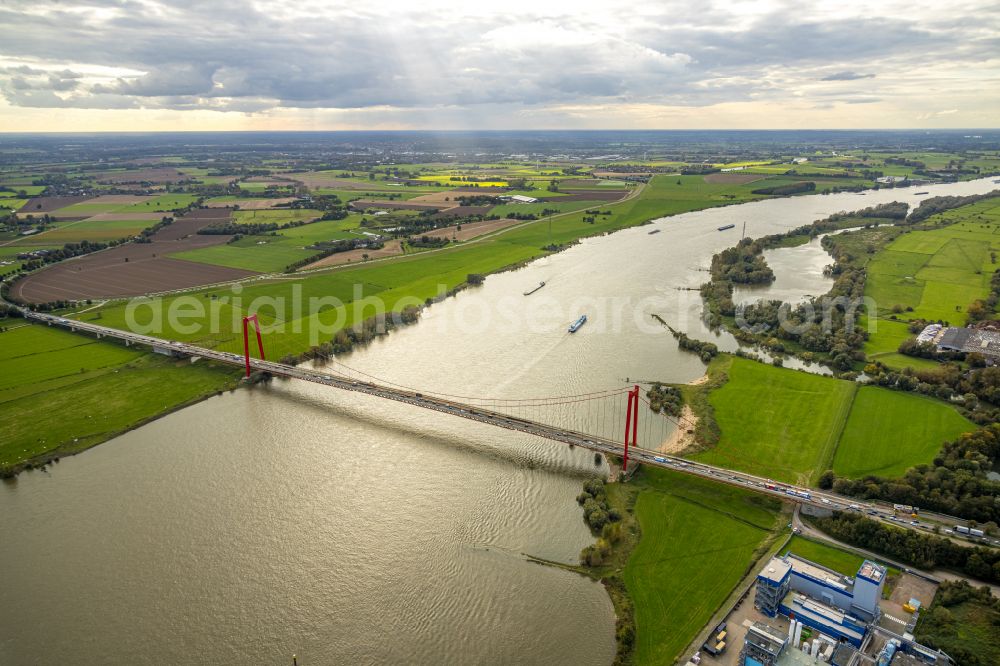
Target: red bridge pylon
<point>631,422</point>
<point>246,340</point>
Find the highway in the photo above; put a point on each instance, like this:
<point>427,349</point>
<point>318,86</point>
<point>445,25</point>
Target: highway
<point>805,496</point>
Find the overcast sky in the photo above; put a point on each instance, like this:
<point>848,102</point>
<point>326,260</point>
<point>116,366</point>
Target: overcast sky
<point>363,64</point>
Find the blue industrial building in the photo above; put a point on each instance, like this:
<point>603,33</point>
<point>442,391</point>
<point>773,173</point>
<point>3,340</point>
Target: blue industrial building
<point>821,598</point>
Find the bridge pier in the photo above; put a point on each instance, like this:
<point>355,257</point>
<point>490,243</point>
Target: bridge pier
<point>246,341</point>
<point>631,423</point>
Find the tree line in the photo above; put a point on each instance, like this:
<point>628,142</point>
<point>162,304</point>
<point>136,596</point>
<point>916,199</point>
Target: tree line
<point>921,550</point>
<point>956,482</point>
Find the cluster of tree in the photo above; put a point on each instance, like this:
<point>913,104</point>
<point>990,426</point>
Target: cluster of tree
<point>236,229</point>
<point>594,501</point>
<point>60,183</point>
<point>912,547</point>
<point>820,174</point>
<point>49,306</point>
<point>742,264</point>
<point>912,347</point>
<point>893,210</point>
<point>17,223</point>
<point>328,248</point>
<point>903,161</point>
<point>976,389</point>
<point>939,628</point>
<point>935,205</point>
<point>65,252</point>
<point>698,169</point>
<point>146,235</point>
<point>785,190</point>
<point>706,350</point>
<point>955,483</point>
<point>8,311</point>
<point>428,241</point>
<point>478,200</point>
<point>358,335</point>
<point>983,310</point>
<point>665,399</point>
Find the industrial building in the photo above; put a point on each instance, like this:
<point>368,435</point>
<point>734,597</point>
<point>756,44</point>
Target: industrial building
<point>833,618</point>
<point>982,340</point>
<point>821,598</point>
<point>762,646</point>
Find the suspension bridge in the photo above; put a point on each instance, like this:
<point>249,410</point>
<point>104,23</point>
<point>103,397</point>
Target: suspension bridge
<point>606,422</point>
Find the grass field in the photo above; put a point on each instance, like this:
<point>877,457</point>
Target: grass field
<point>831,557</point>
<point>537,208</point>
<point>275,215</point>
<point>888,431</point>
<point>938,272</point>
<point>776,422</point>
<point>12,203</point>
<point>698,541</point>
<point>272,253</point>
<point>792,426</point>
<point>77,392</point>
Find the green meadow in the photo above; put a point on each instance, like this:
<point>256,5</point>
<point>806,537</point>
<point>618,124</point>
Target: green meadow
<point>933,273</point>
<point>271,253</point>
<point>776,422</point>
<point>888,432</point>
<point>791,426</point>
<point>831,557</point>
<point>78,392</point>
<point>698,541</point>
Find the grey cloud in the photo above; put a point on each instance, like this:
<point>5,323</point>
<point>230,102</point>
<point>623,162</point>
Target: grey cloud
<point>846,76</point>
<point>228,55</point>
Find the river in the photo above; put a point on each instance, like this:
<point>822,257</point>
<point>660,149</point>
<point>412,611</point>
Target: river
<point>291,518</point>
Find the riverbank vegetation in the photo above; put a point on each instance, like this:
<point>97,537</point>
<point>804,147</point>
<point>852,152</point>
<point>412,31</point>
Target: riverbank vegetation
<point>820,328</point>
<point>605,559</point>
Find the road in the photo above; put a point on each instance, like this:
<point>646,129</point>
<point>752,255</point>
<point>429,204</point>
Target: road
<point>817,498</point>
<point>803,528</point>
